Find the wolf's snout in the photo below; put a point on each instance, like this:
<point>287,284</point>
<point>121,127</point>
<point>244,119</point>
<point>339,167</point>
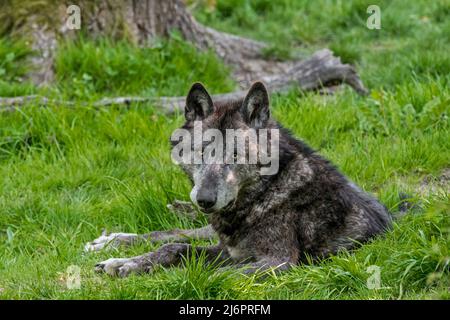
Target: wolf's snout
<point>206,200</point>
<point>206,204</point>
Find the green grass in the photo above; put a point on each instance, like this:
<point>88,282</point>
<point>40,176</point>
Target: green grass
<point>67,173</point>
<point>13,67</point>
<point>85,68</point>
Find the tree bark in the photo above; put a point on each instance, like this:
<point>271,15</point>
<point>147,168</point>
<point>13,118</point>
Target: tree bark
<point>43,43</point>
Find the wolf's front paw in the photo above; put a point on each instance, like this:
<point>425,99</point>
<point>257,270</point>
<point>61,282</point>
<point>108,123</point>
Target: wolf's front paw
<point>112,240</point>
<point>121,267</point>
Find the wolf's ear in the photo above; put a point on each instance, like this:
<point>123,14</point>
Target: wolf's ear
<point>255,108</point>
<point>198,103</point>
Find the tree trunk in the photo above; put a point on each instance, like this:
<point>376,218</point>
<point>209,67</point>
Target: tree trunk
<point>43,43</point>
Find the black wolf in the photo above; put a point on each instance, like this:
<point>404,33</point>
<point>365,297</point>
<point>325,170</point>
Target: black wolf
<point>306,210</point>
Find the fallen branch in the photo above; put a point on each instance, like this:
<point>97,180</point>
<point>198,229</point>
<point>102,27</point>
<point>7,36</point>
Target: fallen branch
<point>321,71</point>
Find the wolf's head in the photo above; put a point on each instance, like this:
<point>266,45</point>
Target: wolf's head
<point>227,145</point>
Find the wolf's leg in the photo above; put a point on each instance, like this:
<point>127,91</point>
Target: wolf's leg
<point>112,240</point>
<point>115,240</point>
<point>168,255</point>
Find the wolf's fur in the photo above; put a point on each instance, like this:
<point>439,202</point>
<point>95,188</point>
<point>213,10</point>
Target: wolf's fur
<point>306,209</point>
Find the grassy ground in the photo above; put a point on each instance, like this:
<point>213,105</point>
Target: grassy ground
<point>67,173</point>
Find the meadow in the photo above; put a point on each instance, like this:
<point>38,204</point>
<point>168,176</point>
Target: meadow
<point>67,173</point>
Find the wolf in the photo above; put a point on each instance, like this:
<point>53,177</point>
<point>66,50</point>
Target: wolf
<point>304,212</point>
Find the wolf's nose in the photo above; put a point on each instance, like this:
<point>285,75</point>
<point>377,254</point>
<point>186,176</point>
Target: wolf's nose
<point>206,204</point>
<point>206,198</point>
